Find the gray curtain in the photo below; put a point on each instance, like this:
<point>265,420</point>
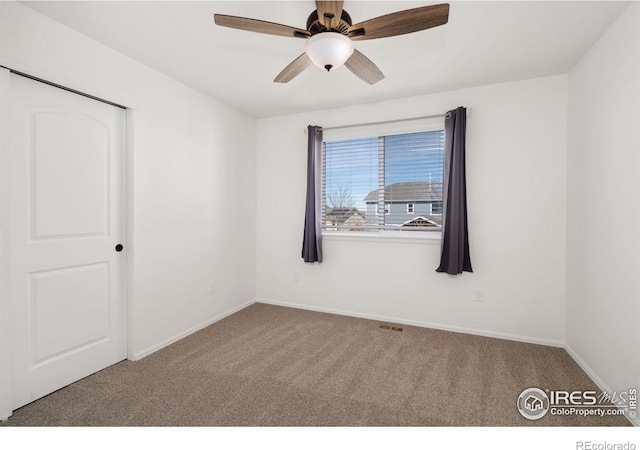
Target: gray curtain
<point>455,257</point>
<point>312,240</point>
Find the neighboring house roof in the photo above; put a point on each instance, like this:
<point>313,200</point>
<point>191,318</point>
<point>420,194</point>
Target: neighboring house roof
<point>414,191</point>
<point>341,215</point>
<point>422,221</point>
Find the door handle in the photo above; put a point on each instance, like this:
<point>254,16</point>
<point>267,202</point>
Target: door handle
<point>119,247</point>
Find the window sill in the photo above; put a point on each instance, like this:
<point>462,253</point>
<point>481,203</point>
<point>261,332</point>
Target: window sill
<point>429,237</point>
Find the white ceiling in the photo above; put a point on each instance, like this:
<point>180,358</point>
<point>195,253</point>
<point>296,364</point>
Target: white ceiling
<point>483,43</point>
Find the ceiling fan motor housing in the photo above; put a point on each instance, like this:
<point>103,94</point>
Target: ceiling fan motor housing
<point>314,26</point>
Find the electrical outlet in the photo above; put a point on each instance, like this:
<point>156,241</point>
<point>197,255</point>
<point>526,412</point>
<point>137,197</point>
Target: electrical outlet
<point>296,277</point>
<point>211,285</point>
<point>477,295</point>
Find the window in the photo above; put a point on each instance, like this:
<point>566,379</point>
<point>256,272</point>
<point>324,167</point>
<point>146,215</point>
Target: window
<point>386,182</point>
<point>387,209</point>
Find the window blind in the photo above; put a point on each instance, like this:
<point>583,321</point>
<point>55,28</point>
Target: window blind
<point>378,182</point>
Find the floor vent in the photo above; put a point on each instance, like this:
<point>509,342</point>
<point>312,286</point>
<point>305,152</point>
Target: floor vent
<point>389,327</point>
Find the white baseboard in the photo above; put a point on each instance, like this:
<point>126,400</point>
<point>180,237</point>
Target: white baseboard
<point>154,348</point>
<point>595,378</point>
<point>418,323</point>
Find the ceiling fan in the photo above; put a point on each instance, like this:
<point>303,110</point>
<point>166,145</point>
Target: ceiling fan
<point>330,33</point>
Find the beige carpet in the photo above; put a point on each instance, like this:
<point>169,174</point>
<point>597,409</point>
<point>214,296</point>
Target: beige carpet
<point>273,366</point>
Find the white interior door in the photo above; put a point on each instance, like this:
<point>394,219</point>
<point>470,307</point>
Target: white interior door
<point>67,183</point>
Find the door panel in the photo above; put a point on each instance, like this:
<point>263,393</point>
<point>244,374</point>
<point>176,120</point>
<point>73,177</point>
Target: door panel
<point>56,295</point>
<point>67,215</point>
<point>68,151</point>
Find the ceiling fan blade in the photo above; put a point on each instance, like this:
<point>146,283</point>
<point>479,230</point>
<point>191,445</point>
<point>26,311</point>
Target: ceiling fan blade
<point>294,69</point>
<point>401,22</point>
<point>259,26</point>
<point>363,68</point>
<point>329,13</point>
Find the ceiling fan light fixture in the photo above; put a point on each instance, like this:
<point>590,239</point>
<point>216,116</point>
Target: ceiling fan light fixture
<point>329,50</point>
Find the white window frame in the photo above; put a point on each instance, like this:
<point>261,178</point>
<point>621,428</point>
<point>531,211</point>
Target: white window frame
<point>393,127</point>
<point>411,207</point>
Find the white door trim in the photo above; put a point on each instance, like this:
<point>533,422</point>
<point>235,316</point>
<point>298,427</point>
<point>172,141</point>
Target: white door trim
<point>129,230</point>
<point>5,258</point>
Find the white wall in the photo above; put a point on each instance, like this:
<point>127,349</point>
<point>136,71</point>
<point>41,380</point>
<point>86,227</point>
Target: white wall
<point>516,175</point>
<point>603,218</point>
<point>191,164</point>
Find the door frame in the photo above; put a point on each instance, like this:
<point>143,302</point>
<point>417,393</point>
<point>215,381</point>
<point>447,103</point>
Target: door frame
<point>6,369</point>
<point>6,379</point>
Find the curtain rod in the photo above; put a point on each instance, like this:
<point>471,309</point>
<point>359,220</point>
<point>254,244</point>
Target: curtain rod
<point>383,122</point>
